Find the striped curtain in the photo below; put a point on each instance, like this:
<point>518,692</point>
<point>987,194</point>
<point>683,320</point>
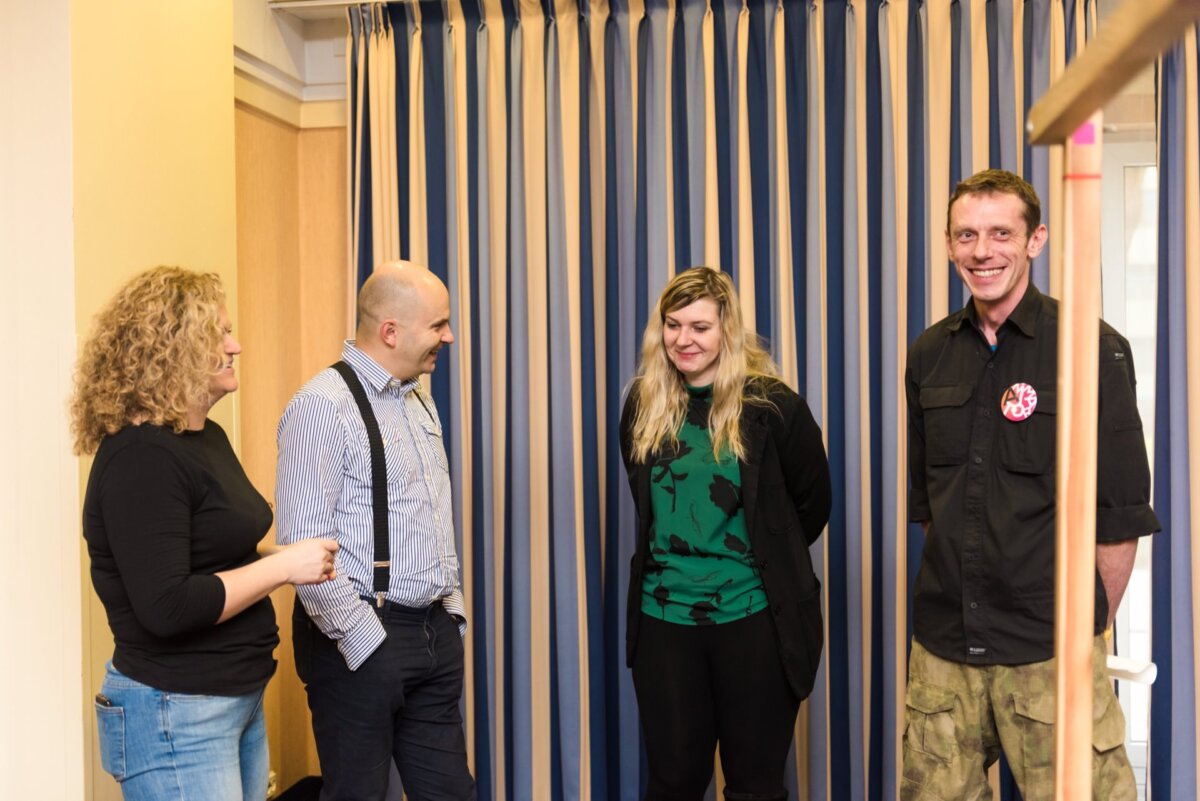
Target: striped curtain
<point>1175,636</point>
<point>555,163</point>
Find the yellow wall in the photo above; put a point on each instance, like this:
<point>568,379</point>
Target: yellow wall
<point>152,102</point>
<point>136,114</point>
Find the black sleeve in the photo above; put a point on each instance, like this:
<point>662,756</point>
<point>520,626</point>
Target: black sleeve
<point>1122,470</point>
<point>918,494</point>
<point>806,471</point>
<point>625,428</point>
<point>146,500</point>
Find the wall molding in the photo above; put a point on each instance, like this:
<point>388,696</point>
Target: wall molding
<point>287,106</point>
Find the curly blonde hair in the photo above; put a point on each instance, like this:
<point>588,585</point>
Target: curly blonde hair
<point>150,356</point>
<point>744,370</point>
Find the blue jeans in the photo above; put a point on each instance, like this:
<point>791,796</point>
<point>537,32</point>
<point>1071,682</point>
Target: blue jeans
<point>401,704</point>
<point>164,746</point>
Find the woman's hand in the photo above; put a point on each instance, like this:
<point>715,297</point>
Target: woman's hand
<point>307,561</point>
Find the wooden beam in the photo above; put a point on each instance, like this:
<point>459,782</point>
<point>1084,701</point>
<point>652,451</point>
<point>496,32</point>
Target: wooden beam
<point>1078,400</point>
<point>1129,39</point>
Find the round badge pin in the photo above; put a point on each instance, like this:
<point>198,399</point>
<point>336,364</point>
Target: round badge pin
<point>1018,402</point>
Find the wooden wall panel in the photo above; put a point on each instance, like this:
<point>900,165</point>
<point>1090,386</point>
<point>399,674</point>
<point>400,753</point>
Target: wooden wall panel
<point>324,269</point>
<point>292,283</point>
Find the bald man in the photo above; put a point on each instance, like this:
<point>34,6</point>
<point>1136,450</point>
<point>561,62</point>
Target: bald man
<point>361,460</point>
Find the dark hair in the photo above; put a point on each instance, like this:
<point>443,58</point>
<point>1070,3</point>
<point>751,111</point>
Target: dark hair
<point>1000,182</point>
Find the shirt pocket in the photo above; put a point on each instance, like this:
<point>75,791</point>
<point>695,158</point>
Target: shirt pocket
<point>432,432</point>
<point>1027,446</point>
<point>947,423</point>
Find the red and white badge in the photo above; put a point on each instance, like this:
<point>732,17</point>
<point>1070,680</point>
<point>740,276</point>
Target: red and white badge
<point>1018,402</point>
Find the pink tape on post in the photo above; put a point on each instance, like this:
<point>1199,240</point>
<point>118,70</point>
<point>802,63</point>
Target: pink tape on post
<point>1085,134</point>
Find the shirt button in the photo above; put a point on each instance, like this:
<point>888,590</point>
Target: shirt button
<point>762,564</point>
<point>777,608</point>
<point>974,605</point>
<point>978,460</point>
<point>991,365</point>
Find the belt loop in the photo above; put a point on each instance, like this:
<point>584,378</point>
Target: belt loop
<point>379,599</point>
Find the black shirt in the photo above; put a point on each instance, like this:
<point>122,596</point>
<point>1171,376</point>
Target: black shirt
<point>163,513</point>
<point>986,484</point>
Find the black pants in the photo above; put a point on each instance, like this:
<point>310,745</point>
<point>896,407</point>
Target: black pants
<point>402,704</point>
<point>700,685</point>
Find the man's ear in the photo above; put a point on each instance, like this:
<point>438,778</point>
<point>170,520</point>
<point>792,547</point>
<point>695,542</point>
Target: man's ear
<point>1037,241</point>
<point>388,333</point>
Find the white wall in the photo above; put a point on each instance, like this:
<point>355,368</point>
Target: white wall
<point>304,59</point>
<point>42,713</point>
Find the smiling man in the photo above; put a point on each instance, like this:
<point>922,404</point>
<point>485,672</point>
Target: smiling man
<point>361,461</point>
<point>981,387</point>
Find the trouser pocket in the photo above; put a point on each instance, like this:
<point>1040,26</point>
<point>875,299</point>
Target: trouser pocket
<point>930,727</point>
<point>110,723</point>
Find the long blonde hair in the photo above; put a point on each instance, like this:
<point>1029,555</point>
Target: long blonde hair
<point>150,356</point>
<point>744,369</point>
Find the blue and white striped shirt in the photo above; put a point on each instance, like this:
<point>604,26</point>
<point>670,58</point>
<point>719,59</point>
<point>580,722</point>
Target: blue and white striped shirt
<point>323,489</point>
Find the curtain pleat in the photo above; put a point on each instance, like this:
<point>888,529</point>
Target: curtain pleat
<point>556,162</point>
<point>1175,637</point>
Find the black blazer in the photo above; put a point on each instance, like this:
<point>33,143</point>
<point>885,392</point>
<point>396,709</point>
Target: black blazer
<point>786,497</point>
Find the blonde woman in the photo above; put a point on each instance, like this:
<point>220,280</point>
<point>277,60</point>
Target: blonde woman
<point>172,524</point>
<point>731,485</point>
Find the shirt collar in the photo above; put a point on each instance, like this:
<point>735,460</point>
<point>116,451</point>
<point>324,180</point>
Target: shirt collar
<point>371,372</point>
<point>1024,317</point>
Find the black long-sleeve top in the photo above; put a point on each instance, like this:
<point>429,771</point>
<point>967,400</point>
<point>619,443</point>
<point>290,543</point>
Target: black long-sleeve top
<point>164,513</point>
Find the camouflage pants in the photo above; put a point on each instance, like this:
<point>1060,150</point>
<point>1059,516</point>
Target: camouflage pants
<point>958,718</point>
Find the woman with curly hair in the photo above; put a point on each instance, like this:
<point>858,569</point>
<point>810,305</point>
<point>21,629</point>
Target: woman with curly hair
<point>172,525</point>
<point>731,485</point>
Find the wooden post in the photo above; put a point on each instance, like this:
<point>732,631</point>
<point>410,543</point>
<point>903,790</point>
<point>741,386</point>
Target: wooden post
<point>1128,41</point>
<point>1078,398</point>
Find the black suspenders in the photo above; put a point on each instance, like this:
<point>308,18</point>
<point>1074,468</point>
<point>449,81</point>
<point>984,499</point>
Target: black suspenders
<point>382,562</point>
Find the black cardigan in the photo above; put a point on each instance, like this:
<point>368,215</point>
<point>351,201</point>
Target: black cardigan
<point>786,496</point>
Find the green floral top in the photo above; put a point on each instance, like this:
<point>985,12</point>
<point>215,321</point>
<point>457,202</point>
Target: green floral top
<point>700,570</point>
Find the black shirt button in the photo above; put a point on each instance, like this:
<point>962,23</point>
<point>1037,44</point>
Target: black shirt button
<point>777,608</point>
<point>762,564</point>
<point>991,365</point>
<point>974,605</point>
<point>978,460</point>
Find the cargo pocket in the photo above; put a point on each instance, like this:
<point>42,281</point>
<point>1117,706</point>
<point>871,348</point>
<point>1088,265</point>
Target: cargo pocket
<point>930,728</point>
<point>1108,723</point>
<point>110,723</point>
<point>1112,774</point>
<point>1035,716</point>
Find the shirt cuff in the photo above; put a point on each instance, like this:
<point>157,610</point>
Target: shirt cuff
<point>361,640</point>
<point>456,606</point>
<point>1125,522</point>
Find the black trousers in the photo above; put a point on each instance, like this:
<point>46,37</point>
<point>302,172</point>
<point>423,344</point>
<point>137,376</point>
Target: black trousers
<point>401,704</point>
<point>698,686</point>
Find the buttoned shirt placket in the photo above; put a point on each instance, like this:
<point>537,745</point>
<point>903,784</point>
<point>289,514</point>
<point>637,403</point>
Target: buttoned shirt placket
<point>972,562</point>
<point>414,412</point>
